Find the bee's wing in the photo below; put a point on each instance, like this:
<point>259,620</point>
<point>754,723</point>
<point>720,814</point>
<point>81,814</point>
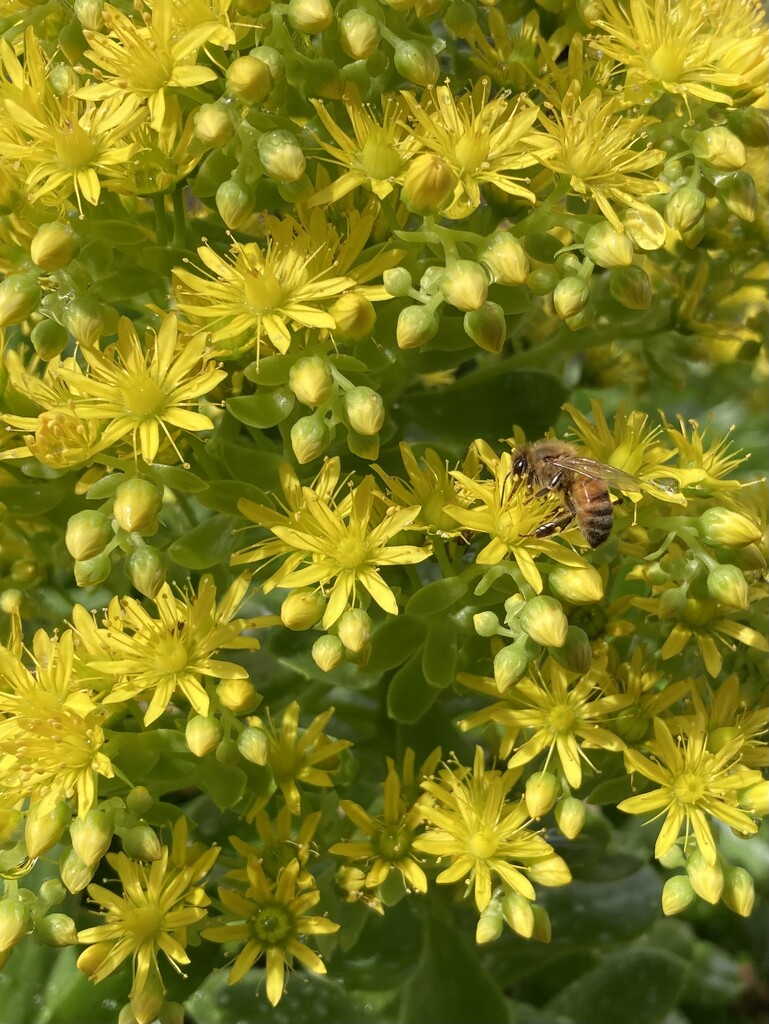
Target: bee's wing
<point>612,476</point>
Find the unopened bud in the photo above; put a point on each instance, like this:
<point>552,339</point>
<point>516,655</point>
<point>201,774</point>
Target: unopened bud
<point>543,280</point>
<point>238,695</point>
<point>707,879</point>
<point>253,745</point>
<point>490,923</point>
<point>551,871</point>
<point>677,894</point>
<point>739,194</point>
<point>214,126</point>
<point>540,793</point>
<point>754,799</point>
<point>487,327</point>
<point>486,623</point>
<point>428,184</point>
<point>302,609</point>
<point>397,282</point>
<point>684,208</point>
<point>544,621</point>
<point>328,652</point>
<point>137,504</point>
<point>720,148</point>
<point>281,155</point>
<point>460,19</point>
<point>543,928</point>
<point>249,79</point>
<point>672,603</point>
<point>365,410</point>
<point>91,836</point>
<point>510,664</point>
<point>310,16</point>
<point>57,930</point>
<point>235,203</point>
<point>727,584</point>
<point>359,34</point>
<point>203,733</point>
<point>310,437</point>
<point>631,287</point>
<point>355,629</point>
<point>693,236</point>
<point>607,247</point>
<point>49,339</point>
<point>720,527</point>
<point>19,296</point>
<point>570,297</point>
<point>227,753</point>
<point>416,326</point>
<point>54,246</point>
<point>138,800</point>
<point>518,913</point>
<point>354,316</point>
<point>750,124</point>
<point>416,63</point>
<point>311,381</point>
<point>506,259</point>
<point>570,816</point>
<point>464,285</point>
<point>576,653</point>
<point>84,317</point>
<point>43,829</point>
<point>146,569</point>
<point>645,227</point>
<point>90,13</point>
<point>15,921</point>
<point>91,571</point>
<point>739,891</point>
<point>87,534</point>
<point>578,585</point>
<point>140,842</point>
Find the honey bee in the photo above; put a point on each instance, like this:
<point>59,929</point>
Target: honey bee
<point>555,466</point>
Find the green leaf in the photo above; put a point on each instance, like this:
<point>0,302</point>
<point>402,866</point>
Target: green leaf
<point>33,498</point>
<point>125,283</point>
<point>224,495</point>
<point>105,487</point>
<point>263,410</point>
<point>394,641</point>
<point>225,784</point>
<point>638,985</point>
<point>436,597</point>
<point>271,371</point>
<point>116,232</point>
<point>365,447</point>
<point>207,545</point>
<point>409,695</point>
<point>439,655</point>
<point>177,479</point>
<point>259,467</point>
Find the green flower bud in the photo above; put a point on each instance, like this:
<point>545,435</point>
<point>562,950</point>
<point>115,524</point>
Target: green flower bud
<point>397,282</point>
<point>552,871</point>
<point>302,609</point>
<point>518,913</point>
<point>427,10</point>
<point>171,1013</point>
<point>631,287</point>
<point>57,930</point>
<point>739,891</point>
<point>238,695</point>
<point>138,800</point>
<point>74,873</point>
<point>506,259</point>
<point>85,319</point>
<point>578,585</point>
<point>87,534</point>
<point>672,858</point>
<point>91,836</point>
<point>428,184</point>
<point>365,410</point>
<point>645,227</point>
<point>720,148</point>
<point>544,621</point>
<point>328,652</point>
<point>310,16</point>
<point>253,745</point>
<point>460,19</point>
<point>310,437</point>
<point>137,504</point>
<point>227,753</point>
<point>311,380</point>
<point>90,13</point>
<point>570,297</point>
<point>63,79</point>
<point>15,922</point>
<point>49,339</point>
<point>486,623</point>
<point>272,57</point>
<point>707,879</point>
<point>203,733</point>
<point>672,603</point>
<point>490,923</point>
<point>607,247</point>
<point>11,600</point>
<point>54,246</point>
<point>677,894</point>
<point>570,816</point>
<point>416,63</point>
<point>281,155</point>
<point>727,584</point>
<point>43,829</point>
<point>542,280</point>
<point>140,842</point>
<point>693,236</point>
<point>19,296</point>
<point>359,34</point>
<point>576,654</point>
<point>354,316</point>
<point>739,194</point>
<point>755,799</point>
<point>750,125</point>
<point>543,928</point>
<point>92,571</point>
<point>464,285</point>
<point>146,569</point>
<point>487,327</point>
<point>684,208</point>
<point>416,326</point>
<point>214,126</point>
<point>249,80</point>
<point>510,664</point>
<point>355,629</point>
<point>235,203</point>
<point>540,794</point>
<point>723,528</point>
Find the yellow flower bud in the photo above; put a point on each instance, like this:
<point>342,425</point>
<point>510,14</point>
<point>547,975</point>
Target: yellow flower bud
<point>427,10</point>
<point>672,858</point>
<point>213,125</point>
<point>355,629</point>
<point>90,13</point>
<point>253,745</point>
<point>576,653</point>
<point>739,891</point>
<point>428,184</point>
<point>490,923</point>
<point>684,208</point>
<point>54,246</point>
<point>739,194</point>
<point>146,569</point>
<point>672,603</point>
<point>365,410</point>
<point>138,800</point>
<point>540,793</point>
<point>57,930</point>
<point>460,19</point>
<point>91,836</point>
<point>91,571</point>
<point>238,695</point>
<point>570,297</point>
<point>227,753</point>
<point>544,621</point>
<point>693,236</point>
<point>542,280</point>
<point>328,652</point>
<point>249,79</point>
<point>311,380</point>
<point>397,282</point>
<point>570,816</point>
<point>85,319</point>
<point>631,287</point>
<point>552,871</point>
<point>755,799</point>
<point>273,58</point>
<point>281,155</point>
<point>518,913</point>
<point>511,663</point>
<point>707,879</point>
<point>506,259</point>
<point>645,227</point>
<point>137,504</point>
<point>43,829</point>
<point>464,285</point>
<point>11,600</point>
<point>677,894</point>
<point>607,247</point>
<point>15,922</point>
<point>87,534</point>
<point>486,623</point>
<point>543,928</point>
<point>235,203</point>
<point>203,733</point>
<point>302,609</point>
<point>310,437</point>
<point>19,296</point>
<point>359,34</point>
<point>578,585</point>
<point>723,528</point>
<point>49,339</point>
<point>416,326</point>
<point>487,327</point>
<point>310,16</point>
<point>727,584</point>
<point>354,316</point>
<point>141,843</point>
<point>720,148</point>
<point>416,63</point>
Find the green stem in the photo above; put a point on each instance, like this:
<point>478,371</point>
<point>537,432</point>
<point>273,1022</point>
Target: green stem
<point>540,218</point>
<point>161,224</point>
<point>180,220</point>
<point>439,549</point>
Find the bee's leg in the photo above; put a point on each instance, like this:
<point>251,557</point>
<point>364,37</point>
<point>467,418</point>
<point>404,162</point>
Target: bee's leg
<point>555,525</point>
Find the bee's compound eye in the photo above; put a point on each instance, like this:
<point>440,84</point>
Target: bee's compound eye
<point>519,466</point>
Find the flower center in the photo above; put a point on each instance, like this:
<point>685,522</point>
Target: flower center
<point>561,718</point>
<point>351,553</point>
<point>142,396</point>
<point>144,922</point>
<point>394,844</point>
<point>667,62</point>
<point>272,924</point>
<point>379,159</point>
<point>698,613</point>
<point>482,845</point>
<point>688,788</point>
<point>263,292</point>
<point>171,655</point>
<point>470,151</point>
<point>74,147</point>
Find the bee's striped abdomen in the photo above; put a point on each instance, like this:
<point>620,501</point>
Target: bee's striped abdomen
<point>592,505</point>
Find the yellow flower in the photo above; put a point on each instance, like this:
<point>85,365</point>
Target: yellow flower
<point>700,464</point>
<point>429,485</point>
<point>269,920</point>
<point>597,150</point>
<point>482,833</point>
<point>280,843</point>
<point>692,783</point>
<point>153,913</point>
<point>510,54</point>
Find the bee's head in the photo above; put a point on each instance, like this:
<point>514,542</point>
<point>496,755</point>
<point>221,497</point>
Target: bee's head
<point>520,463</point>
